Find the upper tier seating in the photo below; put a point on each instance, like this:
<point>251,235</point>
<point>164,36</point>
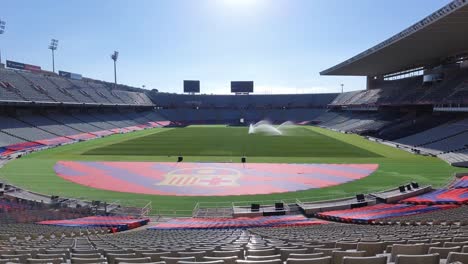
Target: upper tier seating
<point>51,88</point>
<point>208,116</point>
<point>68,88</point>
<point>103,91</point>
<point>24,86</point>
<point>242,101</point>
<point>37,87</point>
<point>9,93</point>
<point>452,90</point>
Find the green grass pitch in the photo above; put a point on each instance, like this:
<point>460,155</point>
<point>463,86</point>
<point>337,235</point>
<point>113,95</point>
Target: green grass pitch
<point>227,144</point>
<point>235,142</point>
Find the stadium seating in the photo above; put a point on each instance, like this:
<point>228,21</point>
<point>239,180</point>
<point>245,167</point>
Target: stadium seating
<point>441,196</point>
<point>7,139</point>
<point>220,223</point>
<point>37,87</point>
<point>49,87</point>
<point>24,86</point>
<point>13,210</point>
<point>443,135</point>
<point>369,214</point>
<point>280,101</point>
<point>409,91</point>
<point>232,116</point>
<point>461,183</point>
<point>436,134</point>
<point>455,156</point>
<point>74,123</point>
<point>425,228</point>
<point>118,223</point>
<point>33,131</point>
<point>332,243</point>
<point>434,206</point>
<point>449,143</point>
<point>455,214</point>
<point>48,125</point>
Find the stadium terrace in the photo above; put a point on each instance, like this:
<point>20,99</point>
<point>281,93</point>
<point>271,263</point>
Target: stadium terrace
<point>99,172</point>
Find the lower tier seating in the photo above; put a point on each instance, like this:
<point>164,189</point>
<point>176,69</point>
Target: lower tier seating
<point>245,222</point>
<point>22,133</point>
<point>115,223</point>
<point>369,214</point>
<point>331,244</point>
<point>442,196</point>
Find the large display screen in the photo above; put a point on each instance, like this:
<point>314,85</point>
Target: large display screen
<point>242,87</point>
<point>191,86</point>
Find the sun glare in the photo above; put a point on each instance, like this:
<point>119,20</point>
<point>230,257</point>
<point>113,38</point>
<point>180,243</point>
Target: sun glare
<point>240,2</point>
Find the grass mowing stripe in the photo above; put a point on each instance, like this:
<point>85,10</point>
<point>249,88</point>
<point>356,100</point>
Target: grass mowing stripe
<point>35,171</point>
<point>234,141</point>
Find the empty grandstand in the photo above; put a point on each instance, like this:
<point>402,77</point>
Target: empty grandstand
<point>418,102</point>
<point>332,178</point>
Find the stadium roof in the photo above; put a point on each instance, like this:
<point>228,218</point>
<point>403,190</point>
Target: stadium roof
<point>440,35</point>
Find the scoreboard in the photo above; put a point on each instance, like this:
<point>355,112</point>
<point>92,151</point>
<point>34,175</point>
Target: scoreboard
<point>242,86</point>
<point>191,86</point>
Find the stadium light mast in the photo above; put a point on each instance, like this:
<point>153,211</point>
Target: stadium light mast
<point>342,85</point>
<point>114,57</point>
<point>53,47</point>
<point>2,30</point>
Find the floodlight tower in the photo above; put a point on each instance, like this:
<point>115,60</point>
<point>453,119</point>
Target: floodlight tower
<point>342,85</point>
<point>2,30</point>
<point>114,57</point>
<point>53,47</point>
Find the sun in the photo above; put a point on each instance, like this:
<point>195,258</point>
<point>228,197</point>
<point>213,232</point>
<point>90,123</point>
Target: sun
<point>240,2</point>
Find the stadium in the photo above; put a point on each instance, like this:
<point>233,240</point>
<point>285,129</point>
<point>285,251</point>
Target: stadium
<point>95,171</point>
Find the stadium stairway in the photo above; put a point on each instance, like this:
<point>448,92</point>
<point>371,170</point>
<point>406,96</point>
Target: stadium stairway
<point>34,86</point>
<point>45,130</point>
<point>65,93</point>
<point>111,123</point>
<point>12,88</point>
<point>88,123</point>
<point>42,129</point>
<point>66,125</point>
<point>13,135</point>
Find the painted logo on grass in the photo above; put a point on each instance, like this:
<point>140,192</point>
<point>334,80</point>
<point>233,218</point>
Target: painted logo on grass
<point>209,179</point>
<point>203,176</point>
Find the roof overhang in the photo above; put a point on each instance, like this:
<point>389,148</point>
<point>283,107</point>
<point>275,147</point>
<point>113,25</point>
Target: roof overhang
<point>441,35</point>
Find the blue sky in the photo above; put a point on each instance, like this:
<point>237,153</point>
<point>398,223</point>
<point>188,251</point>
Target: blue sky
<point>280,44</point>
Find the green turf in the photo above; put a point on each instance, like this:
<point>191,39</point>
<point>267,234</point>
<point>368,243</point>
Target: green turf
<point>35,171</point>
<point>234,141</point>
